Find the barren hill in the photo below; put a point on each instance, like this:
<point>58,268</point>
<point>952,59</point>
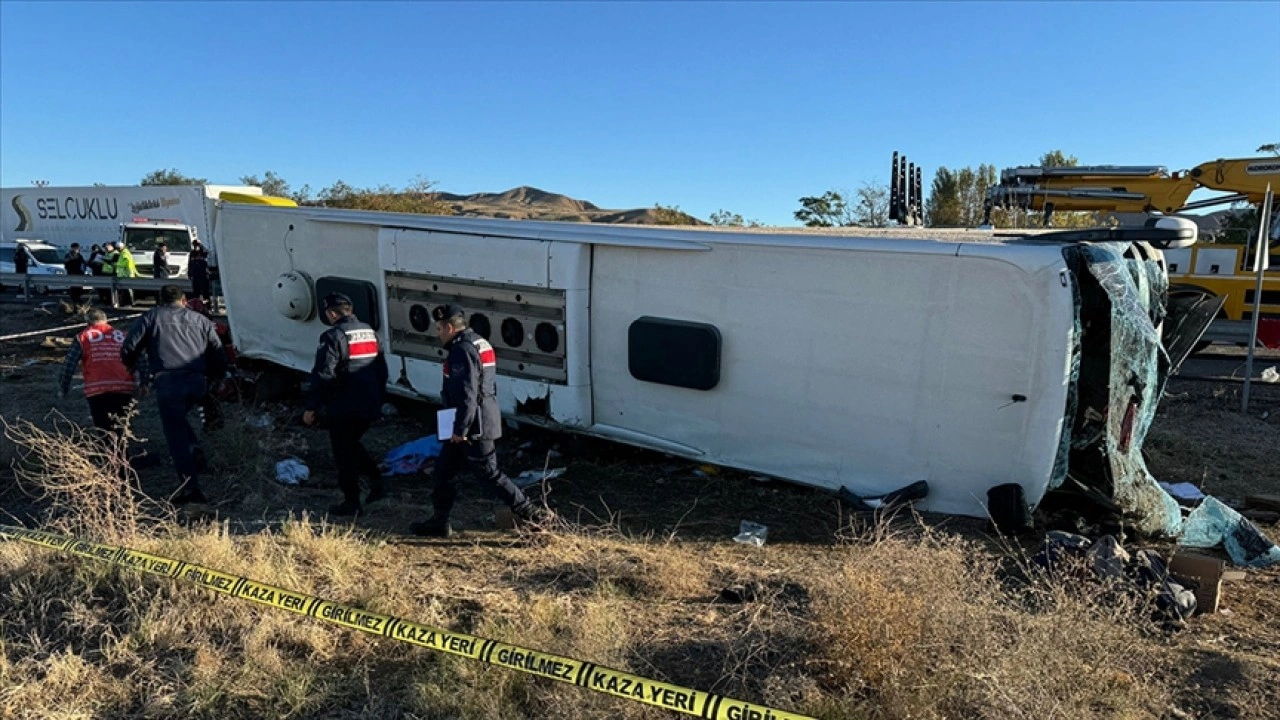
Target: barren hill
<point>530,203</point>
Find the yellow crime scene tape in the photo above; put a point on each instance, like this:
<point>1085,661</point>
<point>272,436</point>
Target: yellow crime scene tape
<point>590,676</point>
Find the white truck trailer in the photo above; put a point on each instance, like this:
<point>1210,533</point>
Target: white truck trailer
<point>854,362</point>
<point>141,216</point>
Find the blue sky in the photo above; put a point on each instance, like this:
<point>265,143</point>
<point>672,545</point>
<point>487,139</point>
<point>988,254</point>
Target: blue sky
<point>740,106</point>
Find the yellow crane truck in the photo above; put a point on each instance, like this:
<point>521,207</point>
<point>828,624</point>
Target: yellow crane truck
<point>1221,270</point>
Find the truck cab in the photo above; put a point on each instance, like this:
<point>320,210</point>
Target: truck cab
<point>143,235</point>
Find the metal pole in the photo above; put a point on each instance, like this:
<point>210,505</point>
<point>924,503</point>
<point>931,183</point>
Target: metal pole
<point>1261,257</point>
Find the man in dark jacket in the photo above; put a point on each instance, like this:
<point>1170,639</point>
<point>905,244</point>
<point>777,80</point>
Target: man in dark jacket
<point>73,263</point>
<point>21,264</point>
<point>198,271</point>
<point>348,381</point>
<point>160,261</point>
<point>183,350</point>
<point>470,388</point>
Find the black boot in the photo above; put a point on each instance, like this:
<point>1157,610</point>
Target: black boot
<point>532,513</point>
<point>377,490</point>
<point>435,527</point>
<point>189,492</point>
<point>347,508</point>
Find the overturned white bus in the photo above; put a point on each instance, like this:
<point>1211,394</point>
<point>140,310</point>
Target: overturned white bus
<point>855,362</point>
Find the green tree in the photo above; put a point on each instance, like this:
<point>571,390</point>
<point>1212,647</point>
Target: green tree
<point>171,177</point>
<point>957,198</point>
<point>1057,158</point>
<point>672,215</point>
<point>829,209</point>
<point>871,208</point>
<point>1273,148</point>
<point>417,197</point>
<point>724,218</point>
<point>273,184</point>
<point>943,207</point>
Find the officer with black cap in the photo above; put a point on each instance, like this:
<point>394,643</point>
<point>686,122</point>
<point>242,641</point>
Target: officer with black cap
<point>348,381</point>
<point>470,387</point>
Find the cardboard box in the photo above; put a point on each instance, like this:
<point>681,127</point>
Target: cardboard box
<point>1202,575</point>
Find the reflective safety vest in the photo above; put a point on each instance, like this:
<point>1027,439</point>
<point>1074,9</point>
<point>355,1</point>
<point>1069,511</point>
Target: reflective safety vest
<point>104,371</point>
<point>124,264</point>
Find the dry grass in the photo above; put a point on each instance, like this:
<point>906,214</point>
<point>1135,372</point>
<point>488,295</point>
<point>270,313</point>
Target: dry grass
<point>908,624</point>
<point>83,476</point>
<point>895,620</point>
<point>930,627</point>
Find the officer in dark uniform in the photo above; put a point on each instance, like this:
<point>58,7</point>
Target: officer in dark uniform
<point>348,381</point>
<point>183,350</point>
<point>470,387</point>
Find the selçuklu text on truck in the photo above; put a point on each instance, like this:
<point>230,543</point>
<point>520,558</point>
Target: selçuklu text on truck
<point>140,216</point>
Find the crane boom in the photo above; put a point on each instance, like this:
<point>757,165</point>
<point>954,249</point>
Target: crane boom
<point>1121,188</point>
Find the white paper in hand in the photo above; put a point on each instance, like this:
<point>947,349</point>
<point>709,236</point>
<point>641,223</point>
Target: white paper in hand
<point>444,423</point>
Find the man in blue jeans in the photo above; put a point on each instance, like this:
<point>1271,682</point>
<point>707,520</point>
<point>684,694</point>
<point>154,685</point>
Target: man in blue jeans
<point>184,351</point>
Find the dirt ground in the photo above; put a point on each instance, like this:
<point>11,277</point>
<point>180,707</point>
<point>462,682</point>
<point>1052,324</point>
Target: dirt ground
<point>1228,663</point>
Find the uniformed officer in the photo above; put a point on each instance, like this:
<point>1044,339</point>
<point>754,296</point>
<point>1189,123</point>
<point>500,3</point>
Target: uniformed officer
<point>348,381</point>
<point>184,351</point>
<point>470,388</point>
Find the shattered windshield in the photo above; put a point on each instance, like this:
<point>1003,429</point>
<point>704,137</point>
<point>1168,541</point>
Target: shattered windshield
<point>1123,378</point>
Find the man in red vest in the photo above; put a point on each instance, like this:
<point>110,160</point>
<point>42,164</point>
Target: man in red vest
<point>108,384</point>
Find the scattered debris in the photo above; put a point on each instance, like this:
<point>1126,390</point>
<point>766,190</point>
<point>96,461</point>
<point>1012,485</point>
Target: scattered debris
<point>1069,555</point>
<point>389,410</point>
<point>529,478</point>
<point>1183,491</point>
<point>261,421</point>
<point>1212,523</point>
<point>910,493</point>
<point>1203,575</point>
<point>292,471</point>
<point>751,533</point>
<point>1271,375</point>
<point>1107,558</point>
<point>412,457</point>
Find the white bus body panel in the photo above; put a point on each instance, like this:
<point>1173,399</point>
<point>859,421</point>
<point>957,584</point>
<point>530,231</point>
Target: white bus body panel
<point>865,363</point>
<point>862,368</point>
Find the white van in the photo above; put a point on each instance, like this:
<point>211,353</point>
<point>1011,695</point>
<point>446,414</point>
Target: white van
<point>45,259</point>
